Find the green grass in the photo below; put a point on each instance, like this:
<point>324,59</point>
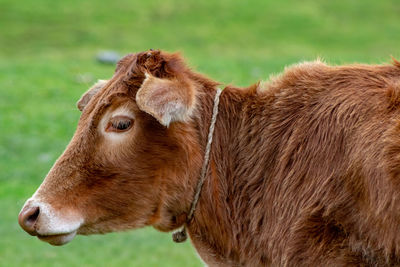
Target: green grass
<point>46,46</point>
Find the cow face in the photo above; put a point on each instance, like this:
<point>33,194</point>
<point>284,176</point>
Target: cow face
<point>130,161</point>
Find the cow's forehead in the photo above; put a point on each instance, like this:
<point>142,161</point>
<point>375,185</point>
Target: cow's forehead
<point>117,85</point>
<point>126,61</point>
<point>126,80</point>
<point>113,89</point>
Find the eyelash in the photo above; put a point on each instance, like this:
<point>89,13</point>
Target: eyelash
<point>119,124</point>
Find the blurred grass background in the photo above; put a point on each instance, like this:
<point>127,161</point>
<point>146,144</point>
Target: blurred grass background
<point>47,60</point>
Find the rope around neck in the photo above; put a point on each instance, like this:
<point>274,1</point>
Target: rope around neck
<point>181,235</point>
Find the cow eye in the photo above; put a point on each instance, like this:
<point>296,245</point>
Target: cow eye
<point>119,124</point>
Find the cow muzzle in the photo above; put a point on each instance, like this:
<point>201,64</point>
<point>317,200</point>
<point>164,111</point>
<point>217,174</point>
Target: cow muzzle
<point>55,227</point>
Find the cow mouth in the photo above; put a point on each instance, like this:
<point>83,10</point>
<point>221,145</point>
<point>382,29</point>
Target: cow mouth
<point>57,240</point>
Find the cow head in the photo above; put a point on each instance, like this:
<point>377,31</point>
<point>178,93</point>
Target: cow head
<point>133,160</point>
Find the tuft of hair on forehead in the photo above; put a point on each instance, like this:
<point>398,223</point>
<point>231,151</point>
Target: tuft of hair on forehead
<point>156,63</point>
<point>160,64</point>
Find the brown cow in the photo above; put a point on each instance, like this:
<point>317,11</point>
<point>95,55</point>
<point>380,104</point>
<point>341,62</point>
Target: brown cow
<point>304,170</point>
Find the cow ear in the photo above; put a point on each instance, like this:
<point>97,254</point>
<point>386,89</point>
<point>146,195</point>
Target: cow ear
<point>85,98</point>
<point>167,100</point>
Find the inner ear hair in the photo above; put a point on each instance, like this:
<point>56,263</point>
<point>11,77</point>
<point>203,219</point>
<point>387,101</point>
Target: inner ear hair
<point>167,100</point>
<point>85,98</point>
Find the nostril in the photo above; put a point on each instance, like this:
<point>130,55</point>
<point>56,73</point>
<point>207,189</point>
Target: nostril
<point>33,217</point>
<point>28,218</point>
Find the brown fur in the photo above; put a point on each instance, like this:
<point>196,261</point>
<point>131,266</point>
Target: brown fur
<point>304,169</point>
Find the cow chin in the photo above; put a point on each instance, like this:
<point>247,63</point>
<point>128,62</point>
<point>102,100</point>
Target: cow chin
<point>57,240</point>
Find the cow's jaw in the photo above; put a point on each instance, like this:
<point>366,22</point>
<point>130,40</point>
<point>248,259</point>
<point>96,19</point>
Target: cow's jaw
<point>57,240</point>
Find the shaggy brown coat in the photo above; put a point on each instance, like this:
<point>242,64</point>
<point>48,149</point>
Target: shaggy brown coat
<point>304,169</point>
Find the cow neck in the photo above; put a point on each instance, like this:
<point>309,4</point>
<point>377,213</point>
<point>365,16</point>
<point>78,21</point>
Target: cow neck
<point>181,235</point>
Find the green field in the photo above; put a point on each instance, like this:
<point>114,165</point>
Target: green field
<point>47,60</point>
